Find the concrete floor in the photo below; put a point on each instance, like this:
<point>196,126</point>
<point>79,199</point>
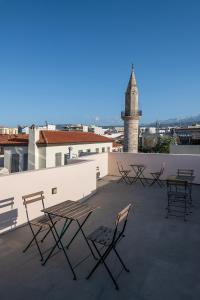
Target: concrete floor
<point>162,254</point>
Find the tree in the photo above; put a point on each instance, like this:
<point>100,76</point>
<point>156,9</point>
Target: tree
<point>163,145</point>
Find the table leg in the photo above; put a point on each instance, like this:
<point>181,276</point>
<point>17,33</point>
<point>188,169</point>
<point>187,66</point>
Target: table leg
<point>80,229</point>
<point>59,242</point>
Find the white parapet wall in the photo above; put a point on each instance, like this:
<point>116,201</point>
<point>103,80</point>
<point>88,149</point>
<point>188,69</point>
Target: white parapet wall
<point>73,182</point>
<point>154,161</point>
<point>185,149</point>
<point>100,161</point>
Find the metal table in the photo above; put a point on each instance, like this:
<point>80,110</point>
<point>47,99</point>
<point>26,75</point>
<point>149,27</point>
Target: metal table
<point>70,211</point>
<point>139,173</point>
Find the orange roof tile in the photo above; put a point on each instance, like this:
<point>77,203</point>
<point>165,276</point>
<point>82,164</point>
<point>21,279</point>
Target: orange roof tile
<point>56,137</point>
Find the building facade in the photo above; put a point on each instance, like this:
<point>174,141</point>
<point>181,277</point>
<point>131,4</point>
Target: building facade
<point>45,149</point>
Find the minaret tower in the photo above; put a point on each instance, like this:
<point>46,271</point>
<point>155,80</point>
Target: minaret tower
<point>131,116</point>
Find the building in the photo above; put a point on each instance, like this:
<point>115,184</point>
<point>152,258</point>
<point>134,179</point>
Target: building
<point>83,128</point>
<point>131,116</point>
<point>189,135</point>
<point>45,148</point>
<point>45,127</point>
<point>8,130</point>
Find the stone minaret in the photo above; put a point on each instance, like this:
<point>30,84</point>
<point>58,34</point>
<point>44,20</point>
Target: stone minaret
<point>131,116</point>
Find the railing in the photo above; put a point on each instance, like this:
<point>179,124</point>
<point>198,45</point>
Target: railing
<point>137,113</point>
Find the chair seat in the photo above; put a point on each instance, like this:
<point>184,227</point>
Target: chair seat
<point>125,171</point>
<point>178,194</point>
<point>155,173</point>
<point>102,235</point>
<point>43,221</point>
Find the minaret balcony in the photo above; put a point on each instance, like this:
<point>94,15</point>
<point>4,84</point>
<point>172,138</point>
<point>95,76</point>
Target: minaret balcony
<point>137,113</point>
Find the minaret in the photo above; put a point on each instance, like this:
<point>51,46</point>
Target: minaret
<point>131,116</point>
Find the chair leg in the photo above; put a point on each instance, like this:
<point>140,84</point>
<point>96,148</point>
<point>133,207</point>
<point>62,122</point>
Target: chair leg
<point>29,244</point>
<point>121,261</point>
<point>34,239</point>
<point>102,260</point>
<point>47,233</point>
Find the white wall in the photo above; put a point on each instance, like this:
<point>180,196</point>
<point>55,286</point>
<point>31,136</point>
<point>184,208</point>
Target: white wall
<point>101,161</point>
<point>153,162</point>
<point>8,151</point>
<point>33,151</point>
<point>73,182</point>
<point>42,157</point>
<point>52,150</point>
<point>185,149</point>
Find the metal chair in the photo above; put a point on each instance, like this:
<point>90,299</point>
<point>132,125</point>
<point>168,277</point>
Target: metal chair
<point>156,176</point>
<point>185,172</point>
<point>41,223</point>
<point>124,173</point>
<point>178,196</point>
<point>109,238</point>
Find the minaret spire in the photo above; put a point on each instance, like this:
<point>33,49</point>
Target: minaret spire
<point>131,115</point>
<point>132,68</point>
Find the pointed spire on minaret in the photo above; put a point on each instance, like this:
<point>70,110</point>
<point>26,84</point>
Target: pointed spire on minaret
<point>132,81</point>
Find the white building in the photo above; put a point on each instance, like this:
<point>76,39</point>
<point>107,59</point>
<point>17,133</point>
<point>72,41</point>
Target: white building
<point>45,127</point>
<point>8,130</point>
<point>46,148</point>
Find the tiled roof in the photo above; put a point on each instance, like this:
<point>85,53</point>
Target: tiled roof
<point>56,137</point>
<point>70,137</point>
<point>13,139</point>
<point>116,145</point>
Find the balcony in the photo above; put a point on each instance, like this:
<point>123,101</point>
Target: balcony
<point>162,254</point>
<point>133,114</point>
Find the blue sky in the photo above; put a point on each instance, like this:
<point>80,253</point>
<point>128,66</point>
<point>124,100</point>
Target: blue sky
<point>69,61</point>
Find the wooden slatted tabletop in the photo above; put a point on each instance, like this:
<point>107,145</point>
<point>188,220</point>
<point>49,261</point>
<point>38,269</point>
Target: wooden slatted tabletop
<point>70,210</point>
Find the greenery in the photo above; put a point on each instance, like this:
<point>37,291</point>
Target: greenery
<point>163,145</point>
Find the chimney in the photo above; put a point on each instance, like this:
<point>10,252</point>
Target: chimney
<point>33,153</point>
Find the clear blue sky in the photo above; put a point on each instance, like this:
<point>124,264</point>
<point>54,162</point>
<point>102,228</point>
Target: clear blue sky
<point>69,61</point>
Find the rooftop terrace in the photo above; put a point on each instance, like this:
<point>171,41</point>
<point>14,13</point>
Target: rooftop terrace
<point>162,254</point>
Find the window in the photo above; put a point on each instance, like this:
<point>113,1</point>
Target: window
<point>25,162</point>
<point>108,149</point>
<point>14,163</point>
<point>66,157</point>
<point>79,152</point>
<point>97,150</point>
<point>58,159</point>
<point>103,149</point>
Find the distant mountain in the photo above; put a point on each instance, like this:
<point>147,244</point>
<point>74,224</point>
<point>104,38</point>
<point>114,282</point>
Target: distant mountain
<point>176,121</point>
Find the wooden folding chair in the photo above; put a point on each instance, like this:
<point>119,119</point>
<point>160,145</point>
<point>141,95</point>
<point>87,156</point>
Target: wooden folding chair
<point>109,238</point>
<point>41,223</point>
<point>124,173</point>
<point>156,176</point>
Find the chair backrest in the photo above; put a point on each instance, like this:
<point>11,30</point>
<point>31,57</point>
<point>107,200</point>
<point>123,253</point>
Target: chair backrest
<point>162,168</point>
<point>33,198</point>
<point>122,166</point>
<point>177,186</point>
<point>185,172</point>
<point>119,166</point>
<point>121,217</point>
